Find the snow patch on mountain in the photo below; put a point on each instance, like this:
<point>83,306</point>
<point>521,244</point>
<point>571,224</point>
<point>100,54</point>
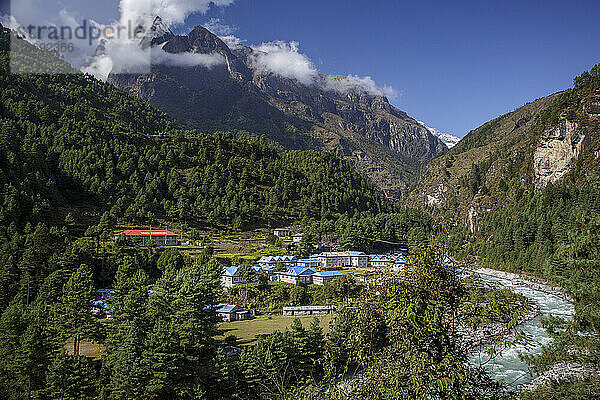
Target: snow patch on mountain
<point>448,139</point>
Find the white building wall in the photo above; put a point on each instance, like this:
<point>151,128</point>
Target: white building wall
<point>226,281</point>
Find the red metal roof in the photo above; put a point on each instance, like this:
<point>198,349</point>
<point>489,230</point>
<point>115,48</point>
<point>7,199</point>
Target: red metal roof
<point>141,232</point>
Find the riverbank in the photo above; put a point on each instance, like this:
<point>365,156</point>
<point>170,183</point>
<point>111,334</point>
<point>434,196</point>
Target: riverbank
<point>561,372</point>
<point>489,333</point>
<point>551,300</point>
<point>531,282</point>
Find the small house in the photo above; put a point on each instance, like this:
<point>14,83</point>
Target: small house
<point>282,232</point>
<point>379,260</point>
<point>296,275</point>
<point>231,278</point>
<point>101,306</point>
<point>149,236</point>
<point>321,277</point>
<point>231,312</point>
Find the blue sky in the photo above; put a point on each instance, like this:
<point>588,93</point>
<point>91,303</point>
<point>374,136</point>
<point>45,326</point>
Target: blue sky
<point>456,64</point>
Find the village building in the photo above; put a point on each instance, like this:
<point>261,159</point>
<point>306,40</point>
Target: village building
<point>231,312</point>
<point>386,260</point>
<point>282,232</point>
<point>358,259</point>
<point>297,238</point>
<point>309,262</point>
<point>341,259</point>
<point>321,277</point>
<point>103,294</point>
<point>262,270</point>
<point>149,236</point>
<point>308,310</point>
<point>379,261</point>
<point>230,277</point>
<point>100,306</point>
<point>296,275</point>
<point>274,260</point>
<point>332,259</point>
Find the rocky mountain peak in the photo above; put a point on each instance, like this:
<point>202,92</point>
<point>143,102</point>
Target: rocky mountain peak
<point>448,139</point>
<point>201,41</point>
<point>157,34</point>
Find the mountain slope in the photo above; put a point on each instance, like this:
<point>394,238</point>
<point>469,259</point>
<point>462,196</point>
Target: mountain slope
<point>71,143</point>
<point>381,141</point>
<point>523,151</point>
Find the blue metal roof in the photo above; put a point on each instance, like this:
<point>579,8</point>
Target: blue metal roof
<point>105,291</point>
<point>276,259</point>
<point>329,273</point>
<point>297,271</point>
<point>227,308</point>
<point>102,304</point>
<point>231,271</point>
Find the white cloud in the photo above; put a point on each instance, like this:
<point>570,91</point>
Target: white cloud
<point>130,58</point>
<point>171,11</point>
<point>280,58</point>
<point>100,67</point>
<point>232,41</point>
<point>283,59</point>
<point>219,28</point>
<point>353,84</point>
<point>225,32</point>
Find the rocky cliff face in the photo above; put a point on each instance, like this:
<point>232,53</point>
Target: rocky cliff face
<point>558,149</point>
<point>381,141</point>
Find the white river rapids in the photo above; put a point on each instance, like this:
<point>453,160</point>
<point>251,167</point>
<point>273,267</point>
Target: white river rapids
<point>507,366</point>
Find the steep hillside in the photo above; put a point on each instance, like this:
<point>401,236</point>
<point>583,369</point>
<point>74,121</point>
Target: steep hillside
<point>525,150</point>
<point>331,113</point>
<point>71,143</point>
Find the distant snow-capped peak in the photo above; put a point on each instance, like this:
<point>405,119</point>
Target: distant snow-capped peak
<point>448,139</point>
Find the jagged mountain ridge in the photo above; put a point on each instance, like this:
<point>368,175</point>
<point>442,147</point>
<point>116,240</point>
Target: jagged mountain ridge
<point>381,141</point>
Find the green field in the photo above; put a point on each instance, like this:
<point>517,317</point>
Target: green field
<point>246,331</point>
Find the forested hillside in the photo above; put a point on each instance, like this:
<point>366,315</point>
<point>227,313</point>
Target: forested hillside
<point>550,230</point>
<point>78,157</point>
<point>70,139</point>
